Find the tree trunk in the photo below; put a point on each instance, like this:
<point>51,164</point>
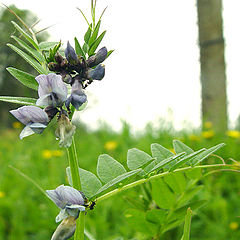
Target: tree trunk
<point>213,77</point>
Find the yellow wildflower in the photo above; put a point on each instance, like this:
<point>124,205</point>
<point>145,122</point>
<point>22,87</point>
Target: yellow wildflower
<point>17,125</point>
<point>233,134</point>
<point>208,134</point>
<point>47,153</point>
<point>233,225</point>
<point>110,145</point>
<point>194,137</point>
<point>208,124</point>
<point>2,194</point>
<point>57,153</point>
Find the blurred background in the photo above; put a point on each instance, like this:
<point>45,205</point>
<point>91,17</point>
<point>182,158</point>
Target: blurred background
<point>174,74</point>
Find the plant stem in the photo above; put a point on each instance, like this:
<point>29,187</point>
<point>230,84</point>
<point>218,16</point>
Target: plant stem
<point>141,181</point>
<point>73,162</point>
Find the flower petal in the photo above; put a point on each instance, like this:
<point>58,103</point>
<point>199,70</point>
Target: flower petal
<point>27,131</point>
<point>97,73</point>
<point>30,114</point>
<point>62,215</point>
<point>37,127</point>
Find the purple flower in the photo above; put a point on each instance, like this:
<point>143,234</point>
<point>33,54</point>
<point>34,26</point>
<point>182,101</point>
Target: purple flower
<point>71,55</point>
<point>68,199</point>
<point>77,97</point>
<point>99,57</point>
<point>34,118</point>
<point>52,90</point>
<point>96,73</point>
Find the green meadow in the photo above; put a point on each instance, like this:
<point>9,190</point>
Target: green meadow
<point>27,214</point>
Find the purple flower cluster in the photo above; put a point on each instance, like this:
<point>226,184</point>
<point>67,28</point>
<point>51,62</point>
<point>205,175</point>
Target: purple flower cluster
<point>72,70</point>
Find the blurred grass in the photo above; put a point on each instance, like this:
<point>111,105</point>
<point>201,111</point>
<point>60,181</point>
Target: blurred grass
<point>25,213</point>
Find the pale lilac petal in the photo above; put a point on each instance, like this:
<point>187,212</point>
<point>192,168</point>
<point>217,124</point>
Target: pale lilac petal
<point>30,114</point>
<point>62,215</point>
<point>35,114</point>
<point>75,206</point>
<point>27,131</point>
<point>37,127</point>
<point>44,82</point>
<point>44,100</point>
<point>52,90</point>
<point>70,195</point>
<point>19,116</point>
<point>56,198</point>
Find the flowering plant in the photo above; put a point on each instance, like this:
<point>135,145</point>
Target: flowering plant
<point>61,83</point>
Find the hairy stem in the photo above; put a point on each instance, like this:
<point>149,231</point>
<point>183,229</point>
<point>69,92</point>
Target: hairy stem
<point>141,181</point>
<point>73,163</point>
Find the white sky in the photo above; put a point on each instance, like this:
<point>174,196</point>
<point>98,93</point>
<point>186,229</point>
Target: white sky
<point>155,66</point>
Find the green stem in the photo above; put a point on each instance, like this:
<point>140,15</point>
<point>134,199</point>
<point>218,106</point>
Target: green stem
<point>141,181</point>
<point>73,162</point>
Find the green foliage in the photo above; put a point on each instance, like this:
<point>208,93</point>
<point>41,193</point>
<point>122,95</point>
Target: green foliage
<point>187,225</point>
<point>25,78</point>
<point>52,52</point>
<point>19,100</point>
<point>210,222</point>
<point>108,168</point>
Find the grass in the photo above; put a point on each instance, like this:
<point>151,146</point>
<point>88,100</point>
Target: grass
<point>25,213</point>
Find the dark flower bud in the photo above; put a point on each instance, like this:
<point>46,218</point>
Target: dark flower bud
<point>96,73</point>
<point>67,78</point>
<point>58,58</point>
<point>99,57</point>
<point>51,112</point>
<point>71,55</point>
<point>77,97</point>
<point>64,63</point>
<point>53,66</point>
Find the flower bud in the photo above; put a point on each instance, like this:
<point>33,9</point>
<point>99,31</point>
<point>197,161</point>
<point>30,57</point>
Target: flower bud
<point>65,229</point>
<point>99,57</point>
<point>96,73</point>
<point>58,58</point>
<point>65,130</point>
<point>71,54</point>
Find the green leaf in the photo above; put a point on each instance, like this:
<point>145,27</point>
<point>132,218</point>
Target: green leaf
<point>187,225</point>
<point>171,225</point>
<point>108,168</point>
<point>94,46</point>
<point>117,180</point>
<point>25,78</point>
<point>137,220</point>
<point>88,34</point>
<point>94,34</point>
<point>176,181</point>
<point>167,161</point>
<point>85,48</point>
<point>29,59</point>
<point>28,37</point>
<point>160,153</point>
<point>78,48</point>
<point>186,159</point>
<point>189,194</point>
<point>195,173</point>
<point>181,147</point>
<point>109,53</point>
<point>199,158</point>
<point>137,158</point>
<point>45,46</point>
<point>32,51</point>
<point>19,100</point>
<point>162,195</point>
<point>89,182</point>
<point>180,212</point>
<point>156,216</point>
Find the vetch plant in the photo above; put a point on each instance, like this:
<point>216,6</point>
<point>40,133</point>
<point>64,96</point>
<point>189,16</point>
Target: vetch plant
<point>168,179</point>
